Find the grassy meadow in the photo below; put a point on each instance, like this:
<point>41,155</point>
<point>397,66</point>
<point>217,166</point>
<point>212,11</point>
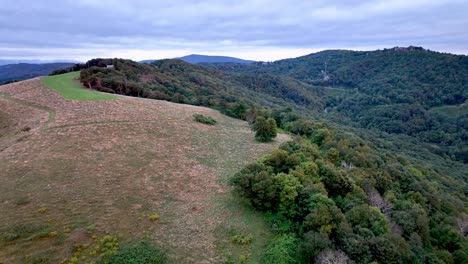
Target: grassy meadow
<point>70,88</point>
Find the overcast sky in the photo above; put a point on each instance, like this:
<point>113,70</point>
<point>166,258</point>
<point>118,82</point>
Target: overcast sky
<point>256,29</point>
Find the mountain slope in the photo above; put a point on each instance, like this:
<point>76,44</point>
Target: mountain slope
<point>182,82</point>
<point>355,189</point>
<point>393,90</point>
<point>72,170</point>
<point>402,75</point>
<point>23,71</point>
<point>372,195</point>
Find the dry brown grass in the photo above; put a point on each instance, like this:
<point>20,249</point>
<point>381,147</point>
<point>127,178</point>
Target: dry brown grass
<point>111,164</point>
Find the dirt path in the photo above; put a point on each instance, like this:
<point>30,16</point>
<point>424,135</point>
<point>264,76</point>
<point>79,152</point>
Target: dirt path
<point>50,112</point>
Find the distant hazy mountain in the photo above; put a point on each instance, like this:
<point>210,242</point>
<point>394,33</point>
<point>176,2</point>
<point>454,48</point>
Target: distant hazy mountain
<point>196,58</point>
<point>10,61</point>
<point>23,71</point>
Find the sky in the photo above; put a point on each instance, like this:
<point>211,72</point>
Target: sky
<point>254,29</point>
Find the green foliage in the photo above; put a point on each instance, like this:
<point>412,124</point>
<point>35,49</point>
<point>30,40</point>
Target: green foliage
<point>345,166</point>
<point>23,201</point>
<point>289,187</point>
<point>408,91</point>
<point>154,217</point>
<point>24,231</point>
<point>335,180</point>
<point>265,129</point>
<point>109,246</point>
<point>278,223</point>
<point>281,250</point>
<point>368,217</point>
<point>301,191</point>
<point>323,214</point>
<point>447,237</point>
<point>208,120</point>
<point>357,247</point>
<point>257,182</point>
<point>312,244</point>
<point>383,250</point>
<point>142,253</point>
<point>241,239</point>
<point>69,88</point>
<point>412,218</point>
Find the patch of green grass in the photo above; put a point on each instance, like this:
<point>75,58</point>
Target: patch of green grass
<point>243,235</point>
<point>23,201</point>
<point>27,232</point>
<point>70,88</point>
<point>141,253</point>
<point>450,111</point>
<point>40,258</point>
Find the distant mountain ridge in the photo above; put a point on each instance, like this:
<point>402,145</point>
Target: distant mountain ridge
<point>22,71</point>
<point>401,90</point>
<point>197,58</point>
<point>18,61</point>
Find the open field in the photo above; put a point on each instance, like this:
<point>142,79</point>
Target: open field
<point>72,171</point>
<point>70,88</point>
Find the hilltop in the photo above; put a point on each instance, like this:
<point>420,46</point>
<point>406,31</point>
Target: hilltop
<point>79,169</point>
<point>339,189</point>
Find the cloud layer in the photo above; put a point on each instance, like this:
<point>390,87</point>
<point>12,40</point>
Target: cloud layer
<point>255,29</point>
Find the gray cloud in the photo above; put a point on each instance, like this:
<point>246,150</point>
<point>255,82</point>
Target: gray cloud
<point>256,29</point>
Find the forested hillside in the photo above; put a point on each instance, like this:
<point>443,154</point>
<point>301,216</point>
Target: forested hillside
<point>181,82</point>
<point>409,91</point>
<point>338,191</point>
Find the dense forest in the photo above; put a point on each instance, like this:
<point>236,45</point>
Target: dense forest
<point>409,91</point>
<point>343,189</point>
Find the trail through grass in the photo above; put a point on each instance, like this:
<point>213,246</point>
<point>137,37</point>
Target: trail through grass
<point>69,88</point>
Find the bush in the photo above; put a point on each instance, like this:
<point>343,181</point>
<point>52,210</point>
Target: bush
<point>141,253</point>
<point>281,250</point>
<point>242,239</point>
<point>204,119</point>
<point>265,129</point>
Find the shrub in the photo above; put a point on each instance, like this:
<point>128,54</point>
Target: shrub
<point>53,234</point>
<point>207,120</point>
<point>281,250</point>
<point>141,253</point>
<point>154,217</point>
<point>257,182</point>
<point>23,201</point>
<point>242,239</point>
<point>265,129</point>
